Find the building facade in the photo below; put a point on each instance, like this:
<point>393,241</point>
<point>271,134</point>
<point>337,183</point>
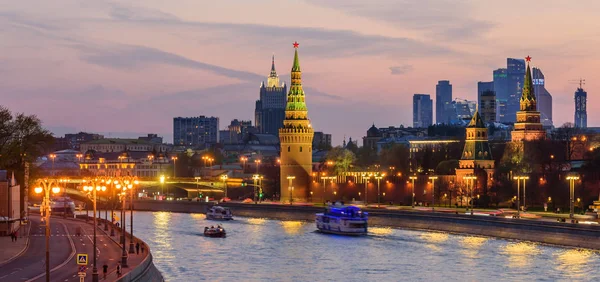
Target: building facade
<point>501,89</point>
<point>321,140</point>
<point>528,126</point>
<point>109,145</point>
<point>544,99</point>
<point>443,96</point>
<point>580,108</point>
<point>296,139</point>
<point>195,131</point>
<point>515,74</point>
<point>74,140</point>
<point>269,111</point>
<point>422,110</point>
<point>487,105</point>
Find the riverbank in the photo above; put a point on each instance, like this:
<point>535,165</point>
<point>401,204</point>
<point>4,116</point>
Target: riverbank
<point>553,233</point>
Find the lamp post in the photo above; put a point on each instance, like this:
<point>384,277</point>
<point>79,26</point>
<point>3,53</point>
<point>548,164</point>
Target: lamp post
<point>92,186</point>
<point>224,178</point>
<point>197,189</point>
<point>470,183</point>
<point>162,186</point>
<point>255,179</point>
<point>45,186</point>
<point>52,156</point>
<point>257,162</point>
<point>518,179</point>
<point>413,178</point>
<point>135,182</point>
<point>379,177</point>
<point>366,179</point>
<point>291,178</point>
<point>123,185</point>
<point>174,158</point>
<point>572,179</point>
<point>243,160</point>
<point>433,179</point>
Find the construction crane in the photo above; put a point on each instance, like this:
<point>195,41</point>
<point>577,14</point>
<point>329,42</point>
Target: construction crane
<point>580,81</point>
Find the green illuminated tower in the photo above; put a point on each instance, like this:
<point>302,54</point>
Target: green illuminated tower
<point>296,138</point>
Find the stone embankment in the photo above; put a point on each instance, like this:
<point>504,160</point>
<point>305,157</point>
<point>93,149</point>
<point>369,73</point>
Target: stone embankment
<point>555,233</point>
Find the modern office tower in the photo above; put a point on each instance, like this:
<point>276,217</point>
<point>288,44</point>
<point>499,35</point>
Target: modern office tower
<point>483,86</point>
<point>296,137</point>
<point>580,108</point>
<point>528,126</point>
<point>270,109</point>
<point>422,110</point>
<point>443,96</point>
<point>501,89</point>
<point>195,131</point>
<point>515,75</point>
<point>487,106</point>
<point>544,99</point>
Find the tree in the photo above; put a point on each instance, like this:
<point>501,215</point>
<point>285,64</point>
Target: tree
<point>366,156</point>
<point>396,155</point>
<point>342,159</point>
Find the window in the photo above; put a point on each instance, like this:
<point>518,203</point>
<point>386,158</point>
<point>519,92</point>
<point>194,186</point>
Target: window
<point>289,149</point>
<point>300,149</point>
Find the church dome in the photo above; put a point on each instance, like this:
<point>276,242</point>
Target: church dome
<point>373,131</point>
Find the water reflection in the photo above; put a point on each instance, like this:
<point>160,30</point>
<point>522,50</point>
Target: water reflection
<point>574,262</point>
<point>257,221</point>
<point>472,246</point>
<point>380,230</point>
<point>198,216</point>
<point>434,239</point>
<point>162,238</point>
<point>291,227</point>
<point>520,254</point>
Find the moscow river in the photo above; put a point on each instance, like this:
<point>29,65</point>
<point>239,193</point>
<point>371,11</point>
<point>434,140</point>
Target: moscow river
<point>260,250</point>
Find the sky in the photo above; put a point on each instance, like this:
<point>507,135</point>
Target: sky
<point>125,68</point>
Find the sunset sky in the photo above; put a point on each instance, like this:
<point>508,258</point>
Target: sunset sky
<point>129,67</point>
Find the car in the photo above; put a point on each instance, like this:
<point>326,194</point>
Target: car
<point>247,200</point>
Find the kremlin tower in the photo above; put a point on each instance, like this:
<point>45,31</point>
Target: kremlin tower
<point>528,126</point>
<point>296,138</point>
<point>476,154</point>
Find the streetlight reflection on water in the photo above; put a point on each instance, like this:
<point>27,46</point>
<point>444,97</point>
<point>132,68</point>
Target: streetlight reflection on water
<point>291,227</point>
<point>520,253</point>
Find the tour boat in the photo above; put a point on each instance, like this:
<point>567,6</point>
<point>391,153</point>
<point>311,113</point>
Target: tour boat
<point>219,213</point>
<point>212,232</point>
<point>342,220</point>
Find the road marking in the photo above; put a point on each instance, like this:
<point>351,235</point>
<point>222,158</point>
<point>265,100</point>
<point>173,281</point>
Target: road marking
<point>64,262</point>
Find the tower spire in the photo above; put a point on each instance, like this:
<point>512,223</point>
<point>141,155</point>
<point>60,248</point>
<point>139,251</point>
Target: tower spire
<point>273,79</point>
<point>528,102</point>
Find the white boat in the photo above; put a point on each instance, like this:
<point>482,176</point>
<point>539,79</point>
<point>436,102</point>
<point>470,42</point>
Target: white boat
<point>342,220</point>
<point>219,213</point>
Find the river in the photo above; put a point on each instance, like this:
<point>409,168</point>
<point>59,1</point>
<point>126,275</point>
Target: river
<point>260,250</point>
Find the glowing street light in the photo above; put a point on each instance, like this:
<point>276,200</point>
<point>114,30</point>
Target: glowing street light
<point>224,178</point>
<point>413,178</point>
<point>470,184</point>
<point>518,179</point>
<point>91,187</point>
<point>379,176</point>
<point>291,178</point>
<point>433,179</point>
<point>572,179</point>
<point>174,158</point>
<point>45,186</point>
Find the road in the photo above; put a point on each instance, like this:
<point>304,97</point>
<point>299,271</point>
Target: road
<point>64,245</point>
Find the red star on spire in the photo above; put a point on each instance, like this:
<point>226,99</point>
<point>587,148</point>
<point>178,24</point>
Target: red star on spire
<point>528,59</point>
<point>296,44</point>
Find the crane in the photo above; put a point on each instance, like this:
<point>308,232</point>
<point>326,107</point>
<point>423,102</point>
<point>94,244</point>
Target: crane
<point>580,81</point>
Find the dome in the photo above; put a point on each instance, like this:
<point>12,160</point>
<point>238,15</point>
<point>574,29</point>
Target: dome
<point>373,131</point>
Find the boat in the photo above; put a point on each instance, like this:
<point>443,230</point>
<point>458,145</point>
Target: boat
<point>342,220</point>
<point>213,232</point>
<point>219,213</point>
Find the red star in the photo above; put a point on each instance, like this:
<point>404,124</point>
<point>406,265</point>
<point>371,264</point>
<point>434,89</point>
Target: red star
<point>296,44</point>
<point>528,59</point>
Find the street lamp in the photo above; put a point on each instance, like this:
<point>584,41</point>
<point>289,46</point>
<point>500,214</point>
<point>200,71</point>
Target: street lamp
<point>433,179</point>
<point>197,189</point>
<point>243,160</point>
<point>255,178</point>
<point>257,162</point>
<point>92,186</point>
<point>174,158</point>
<point>518,179</point>
<point>413,178</point>
<point>572,179</point>
<point>290,187</point>
<point>224,178</point>
<point>366,180</point>
<point>45,186</point>
<point>470,183</point>
<point>379,177</point>
<point>162,186</point>
<point>123,195</point>
<point>52,156</point>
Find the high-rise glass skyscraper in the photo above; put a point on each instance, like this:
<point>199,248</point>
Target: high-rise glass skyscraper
<point>501,89</point>
<point>543,97</point>
<point>580,108</point>
<point>515,74</point>
<point>443,97</point>
<point>422,110</point>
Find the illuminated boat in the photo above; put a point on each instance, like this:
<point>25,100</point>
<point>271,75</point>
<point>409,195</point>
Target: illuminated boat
<point>218,232</point>
<point>219,213</point>
<point>342,220</point>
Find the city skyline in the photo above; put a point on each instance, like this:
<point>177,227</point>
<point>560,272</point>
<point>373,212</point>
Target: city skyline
<point>183,60</point>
